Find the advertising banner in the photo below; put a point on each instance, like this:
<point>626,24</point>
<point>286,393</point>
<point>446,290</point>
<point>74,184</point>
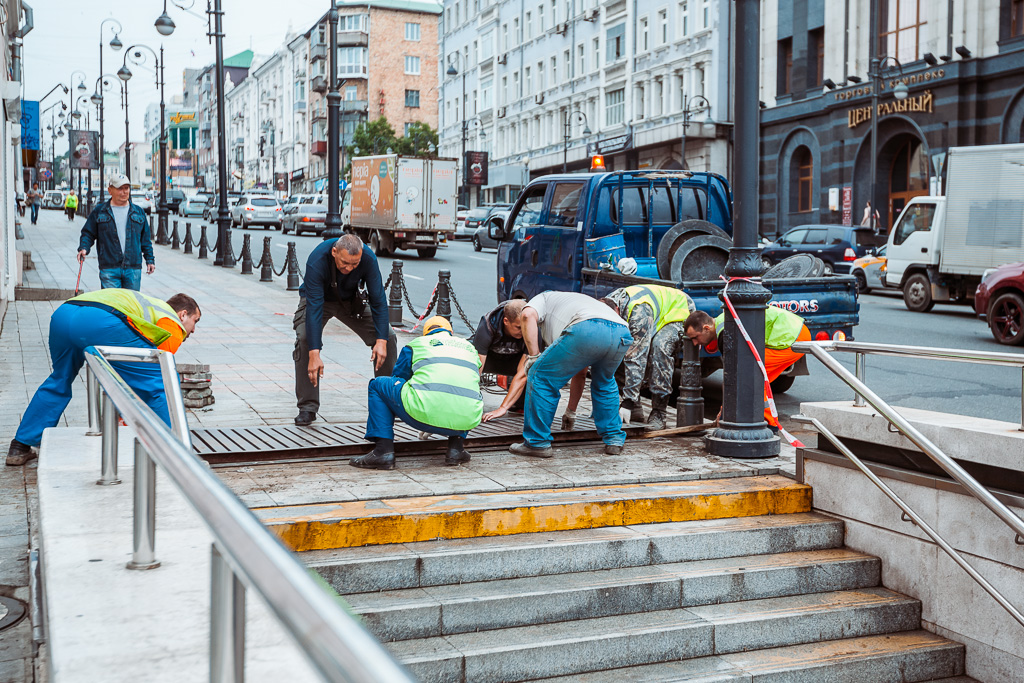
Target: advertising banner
<point>476,168</point>
<point>281,181</point>
<point>45,170</point>
<point>30,124</point>
<point>85,145</point>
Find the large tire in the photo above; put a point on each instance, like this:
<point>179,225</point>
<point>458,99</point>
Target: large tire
<point>799,266</point>
<point>1006,318</point>
<point>782,384</point>
<point>828,269</point>
<point>428,252</point>
<point>702,257</point>
<point>917,293</point>
<point>375,243</point>
<point>677,236</point>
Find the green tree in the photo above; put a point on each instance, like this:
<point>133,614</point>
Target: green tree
<point>379,132</point>
<point>418,140</point>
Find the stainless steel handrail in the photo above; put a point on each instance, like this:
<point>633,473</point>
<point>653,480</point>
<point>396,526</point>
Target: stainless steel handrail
<point>915,518</point>
<point>337,646</point>
<point>820,351</point>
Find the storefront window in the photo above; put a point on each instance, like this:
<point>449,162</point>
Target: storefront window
<point>900,23</point>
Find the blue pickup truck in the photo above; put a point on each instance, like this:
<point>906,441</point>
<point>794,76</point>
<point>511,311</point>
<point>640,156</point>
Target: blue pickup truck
<point>674,223</point>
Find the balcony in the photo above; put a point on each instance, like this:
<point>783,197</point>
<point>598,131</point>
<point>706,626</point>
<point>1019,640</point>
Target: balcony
<point>353,39</point>
<point>319,84</point>
<point>318,114</point>
<point>318,52</point>
<point>354,106</point>
<point>319,148</point>
<point>300,105</point>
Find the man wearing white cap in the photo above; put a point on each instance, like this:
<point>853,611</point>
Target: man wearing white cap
<point>121,234</point>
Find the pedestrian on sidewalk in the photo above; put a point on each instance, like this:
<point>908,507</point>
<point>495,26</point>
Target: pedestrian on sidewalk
<point>578,332</point>
<point>34,199</point>
<point>21,203</point>
<point>435,388</point>
<point>71,205</point>
<point>121,233</point>
<point>655,316</point>
<point>109,317</point>
<point>343,282</point>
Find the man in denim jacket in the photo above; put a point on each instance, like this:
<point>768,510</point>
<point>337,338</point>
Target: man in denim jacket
<point>121,233</point>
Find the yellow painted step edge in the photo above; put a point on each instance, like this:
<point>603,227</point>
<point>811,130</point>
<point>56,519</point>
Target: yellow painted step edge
<point>420,523</point>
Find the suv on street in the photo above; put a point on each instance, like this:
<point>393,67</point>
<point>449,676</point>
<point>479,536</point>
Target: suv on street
<point>257,209</point>
<point>141,199</point>
<point>837,245</point>
<point>53,199</point>
<point>210,212</point>
<point>174,198</point>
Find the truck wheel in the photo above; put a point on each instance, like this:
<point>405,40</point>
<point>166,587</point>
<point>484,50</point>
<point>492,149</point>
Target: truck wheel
<point>782,384</point>
<point>1006,318</point>
<point>917,293</point>
<point>377,244</point>
<point>429,252</point>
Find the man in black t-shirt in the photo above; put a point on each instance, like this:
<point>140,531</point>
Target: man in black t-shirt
<point>499,341</point>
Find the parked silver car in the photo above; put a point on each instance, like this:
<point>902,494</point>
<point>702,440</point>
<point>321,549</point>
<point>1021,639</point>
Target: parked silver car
<point>194,205</point>
<point>257,209</point>
<point>306,217</point>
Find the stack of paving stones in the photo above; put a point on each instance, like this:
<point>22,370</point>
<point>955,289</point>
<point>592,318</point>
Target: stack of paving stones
<point>196,384</point>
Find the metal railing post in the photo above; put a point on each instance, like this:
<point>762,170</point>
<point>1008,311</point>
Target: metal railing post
<point>144,516</point>
<point>1021,428</point>
<point>175,401</point>
<point>108,463</point>
<point>92,390</point>
<point>860,368</point>
<point>227,622</point>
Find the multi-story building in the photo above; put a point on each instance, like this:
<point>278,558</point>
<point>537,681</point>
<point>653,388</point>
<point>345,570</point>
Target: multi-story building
<point>295,138</point>
<point>16,27</point>
<point>547,84</point>
<point>181,126</point>
<point>236,69</point>
<point>961,61</point>
<point>137,163</point>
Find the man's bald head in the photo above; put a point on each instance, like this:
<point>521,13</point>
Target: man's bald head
<point>351,243</point>
<point>347,253</point>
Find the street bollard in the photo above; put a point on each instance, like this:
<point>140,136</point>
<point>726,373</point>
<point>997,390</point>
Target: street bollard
<point>108,447</point>
<point>444,296</point>
<point>175,240</point>
<point>293,268</point>
<point>266,262</point>
<point>188,238</point>
<point>144,515</point>
<point>204,246</point>
<point>690,403</point>
<point>395,295</point>
<point>246,256</point>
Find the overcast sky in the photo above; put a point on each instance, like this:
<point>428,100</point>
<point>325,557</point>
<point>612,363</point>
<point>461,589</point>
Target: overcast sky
<point>67,37</point>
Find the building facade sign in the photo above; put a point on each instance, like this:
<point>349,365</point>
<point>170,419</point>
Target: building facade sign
<point>920,103</point>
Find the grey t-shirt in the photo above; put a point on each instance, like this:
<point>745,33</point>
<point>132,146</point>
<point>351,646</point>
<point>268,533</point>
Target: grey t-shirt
<point>558,310</point>
<point>120,221</point>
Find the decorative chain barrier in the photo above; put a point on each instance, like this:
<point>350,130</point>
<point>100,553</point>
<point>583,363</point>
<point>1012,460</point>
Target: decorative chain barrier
<point>408,302</point>
<point>462,313</point>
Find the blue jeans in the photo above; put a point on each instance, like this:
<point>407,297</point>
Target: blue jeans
<point>121,278</point>
<point>597,344</point>
<point>385,404</point>
<point>73,329</point>
<point>35,212</point>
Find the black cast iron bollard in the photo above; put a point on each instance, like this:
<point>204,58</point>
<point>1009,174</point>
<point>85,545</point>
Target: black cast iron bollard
<point>395,295</point>
<point>267,261</point>
<point>444,296</point>
<point>246,256</point>
<point>161,231</point>
<point>175,240</point>
<point>204,246</point>
<point>690,403</point>
<point>293,268</point>
<point>188,238</point>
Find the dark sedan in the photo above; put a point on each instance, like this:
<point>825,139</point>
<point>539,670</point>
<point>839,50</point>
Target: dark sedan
<point>1000,299</point>
<point>305,218</point>
<point>837,245</point>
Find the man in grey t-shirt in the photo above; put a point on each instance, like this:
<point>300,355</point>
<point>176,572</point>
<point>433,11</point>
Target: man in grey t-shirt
<point>121,234</point>
<point>578,332</point>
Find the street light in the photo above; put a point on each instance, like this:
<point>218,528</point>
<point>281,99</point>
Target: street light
<point>900,92</point>
<point>579,117</point>
<point>332,223</point>
<point>137,57</point>
<point>97,98</point>
<point>452,71</point>
<point>692,106</point>
<point>164,24</point>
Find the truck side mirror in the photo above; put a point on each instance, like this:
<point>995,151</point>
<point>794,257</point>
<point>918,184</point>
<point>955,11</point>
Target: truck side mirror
<point>496,229</point>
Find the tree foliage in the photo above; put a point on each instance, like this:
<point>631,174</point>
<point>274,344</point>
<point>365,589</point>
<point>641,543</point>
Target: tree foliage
<point>377,136</point>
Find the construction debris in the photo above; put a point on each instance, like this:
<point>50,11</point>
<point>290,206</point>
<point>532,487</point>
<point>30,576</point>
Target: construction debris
<point>196,384</point>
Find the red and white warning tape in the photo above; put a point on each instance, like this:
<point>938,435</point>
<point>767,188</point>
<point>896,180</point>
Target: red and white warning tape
<point>792,440</point>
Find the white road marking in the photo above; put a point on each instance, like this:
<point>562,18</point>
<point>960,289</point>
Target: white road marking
<point>480,258</point>
<point>410,275</point>
<point>281,246</point>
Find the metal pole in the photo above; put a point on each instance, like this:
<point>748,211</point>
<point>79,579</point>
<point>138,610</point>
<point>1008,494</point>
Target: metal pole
<point>127,144</point>
<point>108,463</point>
<point>144,515</point>
<point>743,432</point>
<point>465,128</point>
<point>175,401</point>
<point>224,257</point>
<point>860,368</point>
<point>876,83</point>
<point>162,210</point>
<point>565,143</point>
<point>227,622</point>
<point>92,390</point>
<point>332,223</point>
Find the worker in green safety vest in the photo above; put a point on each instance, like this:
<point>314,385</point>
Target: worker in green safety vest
<point>435,387</point>
<point>656,316</point>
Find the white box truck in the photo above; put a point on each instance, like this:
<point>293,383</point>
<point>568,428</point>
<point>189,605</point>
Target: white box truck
<point>397,202</point>
<point>940,247</point>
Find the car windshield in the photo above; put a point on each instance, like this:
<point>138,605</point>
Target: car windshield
<point>478,214</point>
<point>263,201</point>
<point>139,195</point>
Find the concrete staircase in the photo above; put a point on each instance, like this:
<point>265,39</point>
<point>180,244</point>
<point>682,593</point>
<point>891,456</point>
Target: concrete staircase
<point>762,598</point>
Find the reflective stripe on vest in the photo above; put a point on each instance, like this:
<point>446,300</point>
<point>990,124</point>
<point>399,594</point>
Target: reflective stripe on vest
<point>670,305</point>
<point>781,327</point>
<point>143,312</point>
<point>445,387</point>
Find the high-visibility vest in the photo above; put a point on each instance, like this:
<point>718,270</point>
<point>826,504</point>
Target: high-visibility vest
<point>781,327</point>
<point>71,202</point>
<point>142,312</point>
<point>670,305</point>
<point>445,387</point>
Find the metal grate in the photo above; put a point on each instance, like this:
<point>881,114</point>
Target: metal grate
<point>226,445</point>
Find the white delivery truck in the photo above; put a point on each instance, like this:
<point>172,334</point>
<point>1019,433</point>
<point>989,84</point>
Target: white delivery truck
<point>397,202</point>
<point>940,247</point>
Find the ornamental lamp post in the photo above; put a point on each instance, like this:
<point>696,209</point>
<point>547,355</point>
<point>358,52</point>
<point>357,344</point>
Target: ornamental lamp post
<point>570,117</point>
<point>97,98</point>
<point>692,106</point>
<point>900,92</point>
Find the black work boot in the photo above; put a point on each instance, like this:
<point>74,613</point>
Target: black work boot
<point>657,419</point>
<point>457,453</point>
<point>636,411</point>
<point>19,453</point>
<point>382,457</point>
<point>305,418</point>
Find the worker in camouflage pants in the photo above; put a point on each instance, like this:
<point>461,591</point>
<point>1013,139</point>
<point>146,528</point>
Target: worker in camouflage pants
<point>656,317</point>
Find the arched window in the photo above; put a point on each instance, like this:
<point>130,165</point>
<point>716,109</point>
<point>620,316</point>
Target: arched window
<point>801,180</point>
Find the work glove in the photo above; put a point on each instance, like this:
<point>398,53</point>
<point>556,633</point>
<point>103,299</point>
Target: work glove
<point>530,360</point>
<point>425,436</point>
<point>626,266</point>
<point>624,415</point>
<point>568,420</point>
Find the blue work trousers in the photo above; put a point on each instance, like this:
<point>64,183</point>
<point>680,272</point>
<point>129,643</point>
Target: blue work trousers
<point>597,344</point>
<point>34,211</point>
<point>121,278</point>
<point>73,329</point>
<point>385,404</point>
